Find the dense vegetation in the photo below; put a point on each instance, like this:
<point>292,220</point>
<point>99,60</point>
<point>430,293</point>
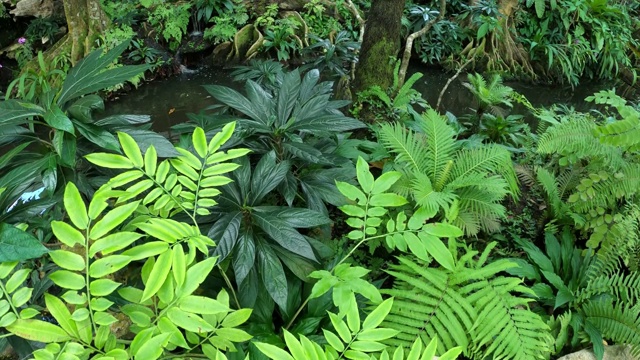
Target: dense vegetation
<point>298,220</point>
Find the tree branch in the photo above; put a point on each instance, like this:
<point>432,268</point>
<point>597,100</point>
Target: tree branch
<point>354,10</point>
<point>408,48</point>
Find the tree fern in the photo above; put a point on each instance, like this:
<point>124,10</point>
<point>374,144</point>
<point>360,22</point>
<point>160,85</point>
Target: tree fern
<point>469,306</point>
<point>441,171</point>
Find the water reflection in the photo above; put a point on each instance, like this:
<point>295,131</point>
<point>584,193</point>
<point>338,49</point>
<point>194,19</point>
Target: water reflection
<point>169,100</point>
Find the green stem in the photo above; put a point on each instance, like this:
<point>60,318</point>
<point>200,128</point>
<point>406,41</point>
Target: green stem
<point>228,282</point>
<point>6,295</point>
<point>364,239</point>
<point>87,278</point>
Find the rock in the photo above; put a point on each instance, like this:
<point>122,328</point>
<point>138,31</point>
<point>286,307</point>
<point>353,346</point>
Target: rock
<point>38,8</point>
<point>221,52</point>
<point>246,39</point>
<point>614,352</point>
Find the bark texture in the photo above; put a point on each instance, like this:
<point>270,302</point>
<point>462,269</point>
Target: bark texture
<point>86,21</point>
<point>380,45</point>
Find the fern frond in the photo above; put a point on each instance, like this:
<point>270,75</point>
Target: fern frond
<point>440,145</point>
<point>624,288</point>
<point>406,144</point>
<point>484,206</point>
<point>618,322</point>
<point>469,307</point>
<point>505,327</point>
<point>426,196</point>
<point>525,174</point>
<point>492,159</point>
<point>574,138</point>
<point>427,304</point>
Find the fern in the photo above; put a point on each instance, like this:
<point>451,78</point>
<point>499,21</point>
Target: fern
<point>441,171</point>
<point>469,307</point>
<point>618,322</point>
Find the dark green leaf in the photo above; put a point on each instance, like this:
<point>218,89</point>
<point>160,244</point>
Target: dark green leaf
<point>298,265</point>
<point>82,108</point>
<point>225,233</point>
<point>89,74</point>
<point>289,188</point>
<point>266,176</point>
<point>234,100</point>
<point>18,245</point>
<point>248,289</point>
<point>272,273</point>
<point>287,97</point>
<point>295,217</point>
<point>14,112</point>
<point>98,136</point>
<point>122,120</point>
<point>306,152</point>
<point>58,120</point>
<point>284,235</point>
<point>245,256</point>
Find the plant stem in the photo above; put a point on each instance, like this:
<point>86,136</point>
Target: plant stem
<point>228,282</point>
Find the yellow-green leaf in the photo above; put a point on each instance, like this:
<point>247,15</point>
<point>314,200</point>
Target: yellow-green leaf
<point>112,219</point>
<point>131,149</point>
<point>66,233</point>
<point>8,319</point>
<point>232,334</point>
<point>200,142</point>
<point>222,137</point>
<point>376,317</point>
<point>76,209</point>
<point>158,275</point>
<point>67,280</point>
<point>273,352</point>
<point>68,260</point>
<point>16,280</point>
<point>189,321</point>
<point>236,318</point>
<point>179,266</point>
<point>113,242</point>
<point>110,161</point>
<point>152,348</point>
<point>202,305</point>
<point>61,313</point>
<point>147,250</point>
<point>150,161</point>
<point>108,265</point>
<point>37,330</point>
<point>21,296</point>
<point>103,287</point>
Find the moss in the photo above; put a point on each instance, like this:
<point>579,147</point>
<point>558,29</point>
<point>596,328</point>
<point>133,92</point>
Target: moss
<point>380,45</point>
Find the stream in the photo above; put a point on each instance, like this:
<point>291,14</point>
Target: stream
<point>168,101</point>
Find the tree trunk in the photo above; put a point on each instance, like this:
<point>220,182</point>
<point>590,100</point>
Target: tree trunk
<point>380,45</point>
<point>85,22</point>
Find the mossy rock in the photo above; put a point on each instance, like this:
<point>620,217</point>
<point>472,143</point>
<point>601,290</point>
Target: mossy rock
<point>221,53</point>
<point>245,40</point>
<point>302,32</point>
<point>255,48</point>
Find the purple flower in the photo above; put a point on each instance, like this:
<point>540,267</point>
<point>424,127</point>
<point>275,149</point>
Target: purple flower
<point>0,66</point>
<point>22,40</point>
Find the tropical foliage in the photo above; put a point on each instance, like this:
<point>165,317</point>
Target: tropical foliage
<point>272,225</point>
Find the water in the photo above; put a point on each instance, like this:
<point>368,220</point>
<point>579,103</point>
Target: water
<point>169,100</point>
